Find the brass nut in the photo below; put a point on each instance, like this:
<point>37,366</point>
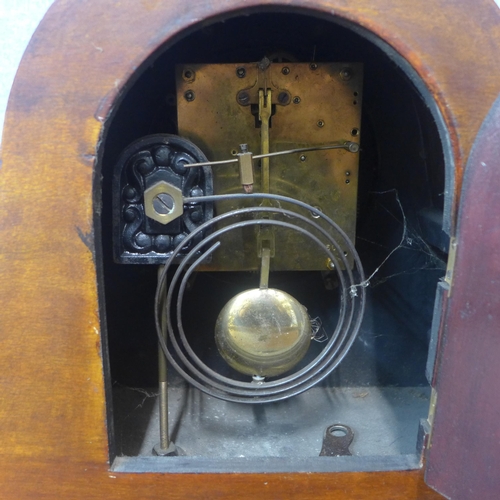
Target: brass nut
<point>163,202</point>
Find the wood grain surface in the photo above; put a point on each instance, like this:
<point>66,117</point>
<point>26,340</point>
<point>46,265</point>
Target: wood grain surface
<point>54,440</point>
<point>466,433</point>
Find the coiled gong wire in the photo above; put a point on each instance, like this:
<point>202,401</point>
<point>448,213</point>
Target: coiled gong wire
<point>175,345</point>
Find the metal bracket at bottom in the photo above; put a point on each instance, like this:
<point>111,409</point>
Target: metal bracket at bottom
<point>336,441</point>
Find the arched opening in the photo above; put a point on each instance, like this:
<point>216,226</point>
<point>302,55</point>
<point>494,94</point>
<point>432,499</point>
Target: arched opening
<point>380,389</point>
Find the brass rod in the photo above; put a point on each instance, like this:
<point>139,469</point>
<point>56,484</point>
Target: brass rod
<point>162,378</point>
<point>264,116</point>
<point>164,439</point>
<point>210,163</point>
<point>265,264</point>
<point>349,146</point>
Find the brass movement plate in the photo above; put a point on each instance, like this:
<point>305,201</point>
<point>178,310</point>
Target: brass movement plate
<point>313,104</point>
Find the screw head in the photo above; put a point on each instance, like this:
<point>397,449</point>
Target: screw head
<point>189,95</point>
<point>243,97</point>
<point>346,73</point>
<point>188,75</point>
<point>347,181</point>
<point>283,98</point>
<point>241,72</point>
<point>163,203</point>
<point>320,123</point>
<point>303,157</point>
<point>313,66</point>
<point>296,99</point>
<point>285,70</point>
<point>353,147</point>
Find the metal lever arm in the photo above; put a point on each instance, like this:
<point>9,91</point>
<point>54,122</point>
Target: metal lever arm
<point>352,147</point>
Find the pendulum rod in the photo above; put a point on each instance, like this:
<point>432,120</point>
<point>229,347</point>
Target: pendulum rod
<point>265,264</point>
<point>264,117</point>
<point>265,96</point>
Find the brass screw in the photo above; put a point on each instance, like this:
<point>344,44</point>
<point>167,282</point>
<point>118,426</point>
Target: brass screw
<point>163,203</point>
<point>320,123</point>
<point>243,97</point>
<point>188,74</point>
<point>296,99</point>
<point>241,72</point>
<point>283,98</point>
<point>346,73</point>
<point>286,70</point>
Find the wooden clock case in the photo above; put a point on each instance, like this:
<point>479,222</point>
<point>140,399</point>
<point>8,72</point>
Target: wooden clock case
<point>53,414</point>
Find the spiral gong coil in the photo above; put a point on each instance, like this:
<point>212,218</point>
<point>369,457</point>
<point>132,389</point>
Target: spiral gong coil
<point>285,383</point>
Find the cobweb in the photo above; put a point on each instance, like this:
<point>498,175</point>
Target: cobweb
<point>428,259</point>
<point>318,332</point>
